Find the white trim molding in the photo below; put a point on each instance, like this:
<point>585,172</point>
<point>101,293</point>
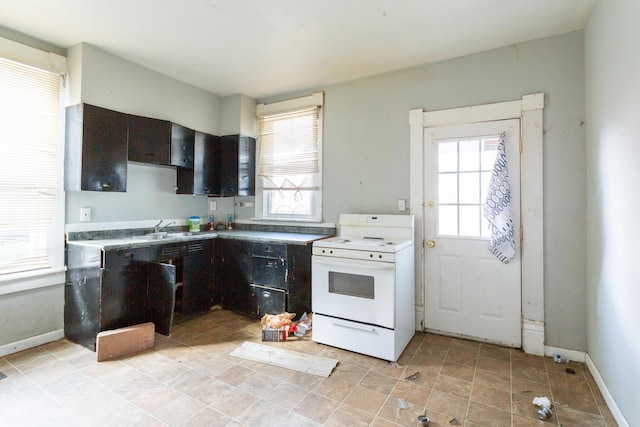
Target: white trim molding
<point>608,398</point>
<point>28,343</point>
<point>529,110</point>
<point>570,355</point>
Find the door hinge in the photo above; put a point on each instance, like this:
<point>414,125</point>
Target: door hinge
<point>521,234</point>
<point>520,145</point>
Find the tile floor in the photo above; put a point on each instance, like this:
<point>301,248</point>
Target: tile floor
<point>190,379</point>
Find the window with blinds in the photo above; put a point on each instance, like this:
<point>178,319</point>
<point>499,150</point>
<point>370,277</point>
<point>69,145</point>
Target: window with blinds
<point>289,160</point>
<point>29,165</point>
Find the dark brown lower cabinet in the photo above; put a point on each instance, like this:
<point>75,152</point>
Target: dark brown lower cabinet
<point>104,290</point>
<point>235,275</point>
<point>265,278</point>
<point>110,289</point>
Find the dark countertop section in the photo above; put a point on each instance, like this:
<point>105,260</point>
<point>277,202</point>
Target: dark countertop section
<point>136,241</point>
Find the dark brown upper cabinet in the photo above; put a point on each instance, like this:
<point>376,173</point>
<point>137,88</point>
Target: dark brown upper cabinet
<point>237,165</point>
<point>149,140</point>
<point>160,142</point>
<point>182,145</point>
<point>95,149</point>
<point>203,178</point>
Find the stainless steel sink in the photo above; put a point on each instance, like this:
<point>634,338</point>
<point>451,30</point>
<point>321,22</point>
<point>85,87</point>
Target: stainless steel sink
<point>152,236</point>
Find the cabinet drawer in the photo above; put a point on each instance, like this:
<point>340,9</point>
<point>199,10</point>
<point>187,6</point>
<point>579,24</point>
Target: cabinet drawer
<point>270,250</point>
<point>268,300</point>
<point>269,271</point>
<point>122,258</point>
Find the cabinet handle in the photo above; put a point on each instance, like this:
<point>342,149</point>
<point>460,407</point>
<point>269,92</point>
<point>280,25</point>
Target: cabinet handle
<point>106,185</point>
<point>268,249</point>
<point>128,255</point>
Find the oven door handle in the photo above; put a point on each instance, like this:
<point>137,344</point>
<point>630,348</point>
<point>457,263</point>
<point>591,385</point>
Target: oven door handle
<point>362,328</point>
<point>330,262</point>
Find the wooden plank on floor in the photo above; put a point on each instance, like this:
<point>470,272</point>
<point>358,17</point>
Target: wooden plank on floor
<point>302,362</point>
<point>124,341</point>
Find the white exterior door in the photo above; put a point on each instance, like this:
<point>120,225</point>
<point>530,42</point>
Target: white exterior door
<point>468,291</point>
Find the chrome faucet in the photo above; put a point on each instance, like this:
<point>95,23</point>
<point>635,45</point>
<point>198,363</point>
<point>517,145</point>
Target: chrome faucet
<point>157,228</point>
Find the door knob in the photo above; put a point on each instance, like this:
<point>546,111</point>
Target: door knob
<point>431,243</point>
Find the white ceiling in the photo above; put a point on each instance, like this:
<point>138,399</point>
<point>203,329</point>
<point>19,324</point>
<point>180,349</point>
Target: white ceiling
<point>265,47</point>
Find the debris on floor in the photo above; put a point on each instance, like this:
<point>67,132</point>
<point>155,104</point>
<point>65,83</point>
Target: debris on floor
<point>454,422</point>
<point>545,407</point>
<point>278,327</point>
<point>415,377</point>
<point>124,341</point>
<point>402,404</point>
<point>308,363</point>
<point>424,420</point>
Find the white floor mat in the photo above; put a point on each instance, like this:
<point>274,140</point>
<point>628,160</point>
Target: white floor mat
<point>302,362</point>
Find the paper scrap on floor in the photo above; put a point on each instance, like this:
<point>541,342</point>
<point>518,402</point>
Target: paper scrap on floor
<point>316,365</point>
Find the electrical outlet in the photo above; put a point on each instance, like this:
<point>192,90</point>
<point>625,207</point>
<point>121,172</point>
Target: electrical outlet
<point>85,214</point>
<point>213,205</point>
<point>402,205</point>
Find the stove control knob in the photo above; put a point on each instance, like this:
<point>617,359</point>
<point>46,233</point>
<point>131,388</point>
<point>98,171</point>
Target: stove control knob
<point>380,256</point>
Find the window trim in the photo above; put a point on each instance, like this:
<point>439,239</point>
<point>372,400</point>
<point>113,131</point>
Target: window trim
<point>25,280</point>
<point>263,110</point>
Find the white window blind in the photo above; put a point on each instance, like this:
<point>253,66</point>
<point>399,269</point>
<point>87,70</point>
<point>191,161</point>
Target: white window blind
<point>29,176</point>
<point>289,143</point>
<point>289,170</point>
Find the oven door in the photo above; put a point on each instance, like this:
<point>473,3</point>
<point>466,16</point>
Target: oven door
<point>363,291</point>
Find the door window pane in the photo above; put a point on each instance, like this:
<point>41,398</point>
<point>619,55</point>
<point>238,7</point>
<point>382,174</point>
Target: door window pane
<point>469,187</point>
<point>448,220</point>
<point>448,156</point>
<point>470,220</point>
<point>469,155</point>
<point>465,171</point>
<point>448,187</point>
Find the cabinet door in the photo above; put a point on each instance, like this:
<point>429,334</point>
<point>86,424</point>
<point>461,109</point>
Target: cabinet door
<point>237,165</point>
<point>182,143</point>
<point>299,258</point>
<point>246,166</point>
<point>269,271</point>
<point>197,278</point>
<point>96,149</point>
<point>123,291</point>
<point>229,165</point>
<point>267,300</point>
<point>162,296</point>
<point>203,178</point>
<point>149,140</point>
<point>236,275</point>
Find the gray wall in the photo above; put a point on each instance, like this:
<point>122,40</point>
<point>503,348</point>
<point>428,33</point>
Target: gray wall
<point>102,79</point>
<point>366,149</point>
<point>367,145</point>
<point>612,79</point>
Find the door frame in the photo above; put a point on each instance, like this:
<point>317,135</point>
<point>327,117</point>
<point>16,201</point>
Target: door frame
<point>529,110</point>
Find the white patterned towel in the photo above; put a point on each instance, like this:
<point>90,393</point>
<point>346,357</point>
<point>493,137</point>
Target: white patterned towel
<point>497,208</point>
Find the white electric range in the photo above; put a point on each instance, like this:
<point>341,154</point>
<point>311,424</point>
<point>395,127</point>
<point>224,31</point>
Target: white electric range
<point>363,287</point>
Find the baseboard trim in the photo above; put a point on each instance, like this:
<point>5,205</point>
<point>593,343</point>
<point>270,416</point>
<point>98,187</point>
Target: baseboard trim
<point>25,344</point>
<point>611,403</point>
<point>574,355</point>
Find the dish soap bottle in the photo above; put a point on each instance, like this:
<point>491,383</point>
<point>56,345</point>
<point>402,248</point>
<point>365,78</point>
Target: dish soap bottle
<point>229,222</point>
